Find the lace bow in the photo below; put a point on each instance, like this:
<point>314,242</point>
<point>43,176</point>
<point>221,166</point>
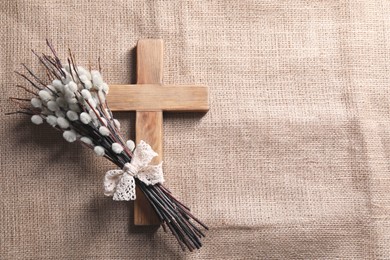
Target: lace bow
<point>121,183</point>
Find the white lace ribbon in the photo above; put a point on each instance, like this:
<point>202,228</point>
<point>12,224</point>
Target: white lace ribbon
<point>121,184</point>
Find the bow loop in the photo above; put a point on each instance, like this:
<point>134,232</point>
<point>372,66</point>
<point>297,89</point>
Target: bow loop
<point>151,174</point>
<point>143,155</point>
<point>111,180</point>
<point>121,183</point>
<point>125,190</point>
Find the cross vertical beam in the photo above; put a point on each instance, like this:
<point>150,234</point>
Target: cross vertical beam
<point>149,98</point>
<point>149,124</point>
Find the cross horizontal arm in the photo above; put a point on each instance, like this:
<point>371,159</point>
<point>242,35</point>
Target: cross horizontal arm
<point>155,97</point>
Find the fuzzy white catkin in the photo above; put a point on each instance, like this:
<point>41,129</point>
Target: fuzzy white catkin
<point>59,113</point>
<point>104,131</point>
<point>92,102</point>
<point>61,102</point>
<point>99,150</point>
<point>71,101</point>
<point>105,88</point>
<point>70,136</point>
<point>86,94</point>
<point>45,96</point>
<point>62,122</point>
<point>88,84</point>
<point>117,148</point>
<point>84,72</point>
<point>67,78</point>
<point>68,93</point>
<point>96,98</point>
<point>97,79</point>
<point>102,96</point>
<point>104,121</point>
<point>92,114</point>
<point>36,119</point>
<point>58,85</point>
<point>36,102</point>
<point>53,106</point>
<point>72,115</point>
<point>51,89</point>
<point>67,67</point>
<point>83,78</point>
<point>86,140</point>
<point>51,120</point>
<point>117,124</point>
<point>72,86</point>
<point>85,118</point>
<point>74,107</point>
<point>130,144</point>
<point>108,113</point>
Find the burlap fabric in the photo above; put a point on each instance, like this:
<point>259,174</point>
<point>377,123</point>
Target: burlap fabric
<point>291,162</point>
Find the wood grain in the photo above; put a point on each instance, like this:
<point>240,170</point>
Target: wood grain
<point>149,97</point>
<point>150,61</point>
<point>148,124</point>
<point>148,128</point>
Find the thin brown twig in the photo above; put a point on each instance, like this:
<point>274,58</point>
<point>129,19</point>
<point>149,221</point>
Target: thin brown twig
<point>70,69</point>
<point>57,60</point>
<point>26,78</point>
<point>18,112</point>
<point>48,69</point>
<point>54,65</point>
<point>27,90</point>
<point>34,76</point>
<point>21,99</point>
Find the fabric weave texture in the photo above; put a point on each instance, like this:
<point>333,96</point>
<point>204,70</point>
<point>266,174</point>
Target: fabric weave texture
<point>291,161</point>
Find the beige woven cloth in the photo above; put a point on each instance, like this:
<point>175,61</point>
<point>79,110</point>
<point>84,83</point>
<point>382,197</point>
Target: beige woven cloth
<point>291,162</point>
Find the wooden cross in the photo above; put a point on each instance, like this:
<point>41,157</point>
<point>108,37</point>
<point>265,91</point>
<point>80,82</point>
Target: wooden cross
<point>149,98</point>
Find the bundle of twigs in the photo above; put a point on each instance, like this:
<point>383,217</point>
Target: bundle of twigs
<point>74,102</point>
